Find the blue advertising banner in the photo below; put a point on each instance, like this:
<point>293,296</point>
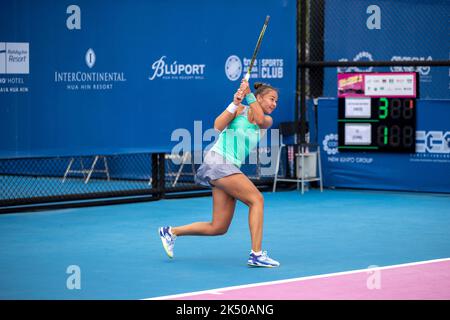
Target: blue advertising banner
<point>428,169</point>
<point>362,30</point>
<point>107,77</point>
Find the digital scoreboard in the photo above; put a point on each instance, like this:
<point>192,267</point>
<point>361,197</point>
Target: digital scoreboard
<point>377,112</point>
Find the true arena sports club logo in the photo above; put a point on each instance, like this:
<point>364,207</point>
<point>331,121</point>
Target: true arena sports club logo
<point>262,68</point>
<point>173,70</point>
<point>89,80</point>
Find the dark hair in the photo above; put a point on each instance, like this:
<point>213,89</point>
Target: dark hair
<point>261,88</point>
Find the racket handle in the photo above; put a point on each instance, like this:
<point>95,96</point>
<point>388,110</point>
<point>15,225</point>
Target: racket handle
<point>247,76</point>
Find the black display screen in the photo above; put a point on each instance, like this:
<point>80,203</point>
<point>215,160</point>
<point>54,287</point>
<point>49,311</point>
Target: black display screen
<point>377,124</point>
<point>377,112</point>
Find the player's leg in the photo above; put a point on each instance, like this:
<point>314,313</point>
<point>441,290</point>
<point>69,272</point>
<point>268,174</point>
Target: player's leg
<point>223,210</point>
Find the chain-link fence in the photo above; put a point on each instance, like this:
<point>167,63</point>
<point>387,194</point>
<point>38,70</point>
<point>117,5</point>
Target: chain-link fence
<point>26,181</point>
<point>336,36</point>
<point>333,36</point>
<point>34,180</point>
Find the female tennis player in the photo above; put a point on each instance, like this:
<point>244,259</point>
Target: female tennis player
<point>239,127</point>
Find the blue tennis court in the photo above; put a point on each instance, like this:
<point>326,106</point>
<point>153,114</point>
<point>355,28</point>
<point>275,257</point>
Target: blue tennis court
<point>279,149</point>
<point>120,256</point>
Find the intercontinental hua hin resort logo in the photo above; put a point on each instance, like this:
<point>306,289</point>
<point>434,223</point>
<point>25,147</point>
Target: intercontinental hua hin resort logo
<point>89,80</point>
<point>262,68</point>
<point>90,58</point>
<point>166,69</point>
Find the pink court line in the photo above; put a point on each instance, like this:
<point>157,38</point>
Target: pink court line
<point>424,280</point>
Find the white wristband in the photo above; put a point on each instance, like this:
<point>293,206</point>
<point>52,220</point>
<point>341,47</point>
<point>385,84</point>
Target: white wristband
<point>232,108</point>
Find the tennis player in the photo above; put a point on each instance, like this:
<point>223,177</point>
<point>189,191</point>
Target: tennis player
<point>239,126</point>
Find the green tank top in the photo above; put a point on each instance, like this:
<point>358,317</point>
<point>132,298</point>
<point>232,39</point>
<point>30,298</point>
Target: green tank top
<point>238,139</point>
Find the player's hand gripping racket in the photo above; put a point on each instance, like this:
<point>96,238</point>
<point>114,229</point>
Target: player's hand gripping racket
<point>258,44</point>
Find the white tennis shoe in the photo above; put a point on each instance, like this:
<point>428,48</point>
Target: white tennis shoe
<point>168,240</point>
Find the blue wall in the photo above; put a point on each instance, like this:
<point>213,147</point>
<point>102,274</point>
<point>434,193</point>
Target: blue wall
<point>426,170</point>
<point>135,110</point>
<point>409,30</point>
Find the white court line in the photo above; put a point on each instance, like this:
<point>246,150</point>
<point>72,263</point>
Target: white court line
<point>219,291</point>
